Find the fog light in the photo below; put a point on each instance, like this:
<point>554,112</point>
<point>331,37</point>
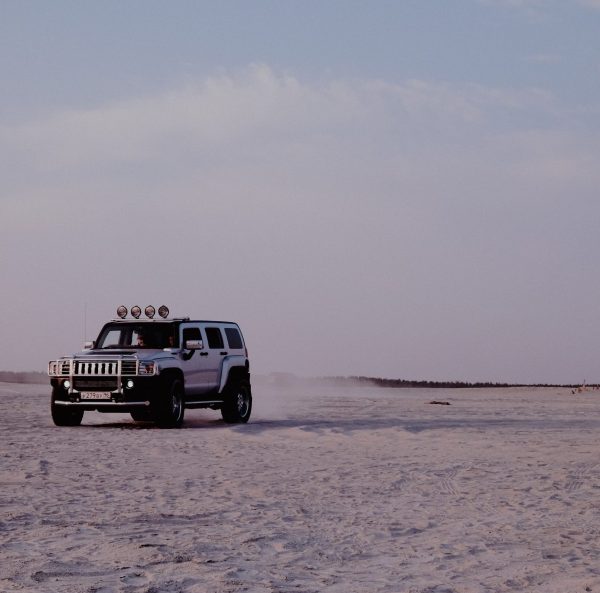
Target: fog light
<point>129,384</point>
<point>67,384</point>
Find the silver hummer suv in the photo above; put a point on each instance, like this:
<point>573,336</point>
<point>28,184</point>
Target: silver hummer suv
<point>155,369</point>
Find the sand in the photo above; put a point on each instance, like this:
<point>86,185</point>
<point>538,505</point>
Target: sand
<point>325,490</point>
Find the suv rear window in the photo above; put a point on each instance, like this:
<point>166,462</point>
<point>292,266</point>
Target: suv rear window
<point>233,338</point>
<point>214,337</point>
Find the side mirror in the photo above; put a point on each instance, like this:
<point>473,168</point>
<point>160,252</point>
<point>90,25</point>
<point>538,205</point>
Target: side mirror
<point>88,345</point>
<point>194,344</point>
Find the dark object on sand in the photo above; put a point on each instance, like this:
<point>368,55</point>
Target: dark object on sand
<point>440,403</point>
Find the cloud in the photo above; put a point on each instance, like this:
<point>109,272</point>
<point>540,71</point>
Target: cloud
<point>257,139</point>
<point>254,105</point>
<point>217,111</point>
<point>260,134</point>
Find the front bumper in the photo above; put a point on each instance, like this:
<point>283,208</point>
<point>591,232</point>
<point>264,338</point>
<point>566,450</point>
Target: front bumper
<point>142,394</point>
<point>104,406</point>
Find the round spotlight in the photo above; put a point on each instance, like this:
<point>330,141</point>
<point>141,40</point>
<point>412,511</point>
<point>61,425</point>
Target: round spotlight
<point>136,311</point>
<point>163,311</point>
<point>129,384</point>
<point>149,311</point>
<point>122,311</point>
<point>67,384</point>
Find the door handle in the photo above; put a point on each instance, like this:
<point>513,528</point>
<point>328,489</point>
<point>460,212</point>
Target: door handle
<point>203,353</point>
<point>223,353</point>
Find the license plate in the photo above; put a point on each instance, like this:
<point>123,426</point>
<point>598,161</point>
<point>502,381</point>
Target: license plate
<point>95,395</point>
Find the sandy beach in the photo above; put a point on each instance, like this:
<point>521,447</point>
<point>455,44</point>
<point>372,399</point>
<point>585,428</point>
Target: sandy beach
<point>334,490</point>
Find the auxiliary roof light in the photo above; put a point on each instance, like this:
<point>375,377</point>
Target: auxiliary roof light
<point>163,311</point>
<point>149,311</point>
<point>136,311</point>
<point>122,311</point>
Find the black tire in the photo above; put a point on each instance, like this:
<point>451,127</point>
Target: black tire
<point>142,415</point>
<point>169,406</point>
<point>237,406</point>
<point>63,415</point>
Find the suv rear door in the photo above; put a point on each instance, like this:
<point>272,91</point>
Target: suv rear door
<point>214,353</point>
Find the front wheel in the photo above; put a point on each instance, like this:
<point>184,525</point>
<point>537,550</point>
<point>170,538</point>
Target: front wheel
<point>63,415</point>
<point>238,403</point>
<point>170,407</point>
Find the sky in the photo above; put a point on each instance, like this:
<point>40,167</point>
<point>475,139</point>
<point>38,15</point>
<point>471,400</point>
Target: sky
<point>404,189</point>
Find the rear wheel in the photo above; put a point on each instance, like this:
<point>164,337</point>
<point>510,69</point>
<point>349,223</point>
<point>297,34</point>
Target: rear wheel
<point>169,406</point>
<point>63,415</point>
<point>238,403</point>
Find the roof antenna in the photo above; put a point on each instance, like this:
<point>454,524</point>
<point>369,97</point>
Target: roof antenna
<point>84,321</point>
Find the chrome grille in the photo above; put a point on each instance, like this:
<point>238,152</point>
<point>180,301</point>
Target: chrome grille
<point>96,368</point>
<point>110,368</point>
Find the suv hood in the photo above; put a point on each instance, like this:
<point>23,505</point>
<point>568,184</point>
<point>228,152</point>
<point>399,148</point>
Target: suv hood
<point>146,354</point>
<point>104,353</point>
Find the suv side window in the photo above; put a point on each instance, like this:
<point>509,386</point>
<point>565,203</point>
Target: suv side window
<point>233,338</point>
<point>191,333</point>
<point>214,337</point>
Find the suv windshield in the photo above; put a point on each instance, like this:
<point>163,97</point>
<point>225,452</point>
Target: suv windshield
<point>138,335</point>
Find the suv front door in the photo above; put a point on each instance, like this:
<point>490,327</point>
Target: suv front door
<point>191,361</point>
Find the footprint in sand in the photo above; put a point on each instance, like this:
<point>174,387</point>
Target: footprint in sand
<point>44,467</point>
<point>134,579</point>
<point>399,530</point>
<point>447,484</point>
<point>579,476</point>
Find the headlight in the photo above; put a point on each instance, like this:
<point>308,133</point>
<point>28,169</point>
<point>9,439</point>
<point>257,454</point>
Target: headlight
<point>146,368</point>
<point>67,384</point>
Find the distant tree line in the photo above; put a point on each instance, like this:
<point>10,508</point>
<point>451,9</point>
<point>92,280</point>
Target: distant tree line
<point>381,382</point>
<point>23,377</point>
